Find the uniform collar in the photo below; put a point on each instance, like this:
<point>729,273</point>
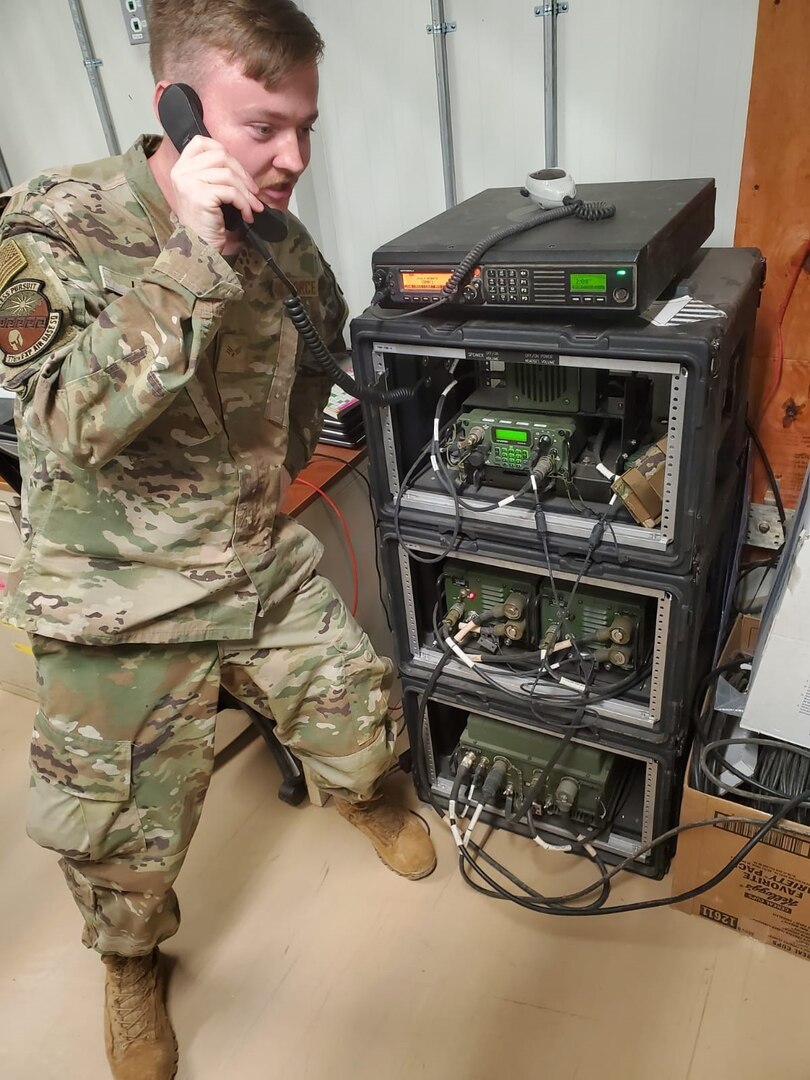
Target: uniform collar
<point>145,188</point>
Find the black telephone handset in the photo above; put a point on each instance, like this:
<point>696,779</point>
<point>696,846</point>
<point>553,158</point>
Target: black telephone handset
<point>181,114</point>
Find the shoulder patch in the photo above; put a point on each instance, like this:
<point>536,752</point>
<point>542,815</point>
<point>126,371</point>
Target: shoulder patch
<point>12,261</point>
<point>28,323</point>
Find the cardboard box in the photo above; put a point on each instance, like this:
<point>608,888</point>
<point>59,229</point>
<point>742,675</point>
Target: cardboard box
<point>767,896</point>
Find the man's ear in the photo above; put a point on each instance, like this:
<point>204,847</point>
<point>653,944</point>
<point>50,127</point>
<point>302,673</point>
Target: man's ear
<point>158,94</point>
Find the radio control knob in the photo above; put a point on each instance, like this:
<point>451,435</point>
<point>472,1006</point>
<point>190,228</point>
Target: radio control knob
<point>620,295</point>
<point>470,292</point>
<point>380,278</point>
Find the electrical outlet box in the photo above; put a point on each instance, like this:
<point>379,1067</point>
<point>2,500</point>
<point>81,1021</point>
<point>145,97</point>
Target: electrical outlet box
<point>135,20</point>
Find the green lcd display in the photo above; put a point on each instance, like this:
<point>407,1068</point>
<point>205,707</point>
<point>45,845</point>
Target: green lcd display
<point>588,283</point>
<point>505,434</point>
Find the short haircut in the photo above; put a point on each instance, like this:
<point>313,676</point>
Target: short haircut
<point>271,38</point>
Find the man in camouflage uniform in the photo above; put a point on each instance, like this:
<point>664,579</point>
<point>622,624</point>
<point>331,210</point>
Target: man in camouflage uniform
<point>164,401</point>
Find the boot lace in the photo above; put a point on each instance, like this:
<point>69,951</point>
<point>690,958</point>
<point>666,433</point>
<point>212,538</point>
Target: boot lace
<point>132,999</point>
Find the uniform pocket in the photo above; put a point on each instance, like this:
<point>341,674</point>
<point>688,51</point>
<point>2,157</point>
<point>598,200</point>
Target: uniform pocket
<point>80,799</point>
<point>278,398</point>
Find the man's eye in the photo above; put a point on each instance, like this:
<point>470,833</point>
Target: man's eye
<point>262,129</point>
<point>308,130</point>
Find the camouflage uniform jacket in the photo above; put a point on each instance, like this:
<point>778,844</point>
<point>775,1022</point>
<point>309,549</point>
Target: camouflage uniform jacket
<point>160,390</point>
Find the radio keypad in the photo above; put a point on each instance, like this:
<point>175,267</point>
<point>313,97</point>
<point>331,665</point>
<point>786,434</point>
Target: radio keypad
<point>509,285</point>
<point>510,457</point>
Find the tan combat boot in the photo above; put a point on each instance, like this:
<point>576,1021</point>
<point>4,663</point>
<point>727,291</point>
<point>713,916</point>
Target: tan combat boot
<point>137,1031</point>
<point>398,837</point>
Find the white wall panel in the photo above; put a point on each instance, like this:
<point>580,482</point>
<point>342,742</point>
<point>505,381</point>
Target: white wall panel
<point>657,89</point>
<point>376,152</point>
<point>47,113</point>
<point>647,88</point>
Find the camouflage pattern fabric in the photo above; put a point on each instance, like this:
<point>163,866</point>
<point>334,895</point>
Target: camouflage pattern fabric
<point>155,421</point>
<point>160,392</point>
<point>123,748</point>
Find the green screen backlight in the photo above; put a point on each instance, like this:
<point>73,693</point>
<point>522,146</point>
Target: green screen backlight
<point>592,283</point>
<point>505,434</point>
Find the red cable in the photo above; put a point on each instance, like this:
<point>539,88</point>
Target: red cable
<point>320,491</point>
<point>777,373</point>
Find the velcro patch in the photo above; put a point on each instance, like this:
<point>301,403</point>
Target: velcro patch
<point>115,282</point>
<point>306,288</point>
<point>28,323</point>
<point>12,261</point>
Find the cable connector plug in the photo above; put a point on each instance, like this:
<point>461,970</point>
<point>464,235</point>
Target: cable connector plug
<point>597,535</point>
<point>540,522</point>
<point>495,781</point>
<point>542,470</point>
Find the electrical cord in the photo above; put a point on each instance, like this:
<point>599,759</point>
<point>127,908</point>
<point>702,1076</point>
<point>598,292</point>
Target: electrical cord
<point>572,208</point>
<point>570,698</point>
<point>538,786</point>
<point>644,905</point>
<point>302,321</point>
<point>780,318</point>
<point>621,867</point>
<point>463,771</point>
<point>346,533</point>
<point>777,494</point>
<point>403,487</point>
<point>770,794</point>
<point>360,475</point>
<point>779,771</point>
<point>557,905</point>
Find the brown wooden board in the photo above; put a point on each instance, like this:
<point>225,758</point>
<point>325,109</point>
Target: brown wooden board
<point>773,214</point>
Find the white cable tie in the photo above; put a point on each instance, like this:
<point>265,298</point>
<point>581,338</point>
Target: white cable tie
<point>613,500</point>
<point>434,463</point>
<point>461,655</point>
<point>605,471</point>
<point>473,822</point>
<point>534,484</point>
<point>457,835</point>
<point>564,848</point>
<point>570,683</point>
<point>507,500</point>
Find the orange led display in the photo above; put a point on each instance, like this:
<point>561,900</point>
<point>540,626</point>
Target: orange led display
<point>424,281</point>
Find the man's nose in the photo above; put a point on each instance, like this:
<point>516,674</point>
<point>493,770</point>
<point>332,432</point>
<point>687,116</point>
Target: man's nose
<point>289,156</point>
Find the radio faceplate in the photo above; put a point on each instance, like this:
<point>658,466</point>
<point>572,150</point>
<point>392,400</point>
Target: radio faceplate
<point>518,286</point>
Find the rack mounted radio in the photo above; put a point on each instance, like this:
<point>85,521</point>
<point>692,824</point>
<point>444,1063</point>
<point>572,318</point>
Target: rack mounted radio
<point>620,264</point>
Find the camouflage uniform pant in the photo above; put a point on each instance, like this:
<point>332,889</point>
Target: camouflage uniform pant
<point>123,748</point>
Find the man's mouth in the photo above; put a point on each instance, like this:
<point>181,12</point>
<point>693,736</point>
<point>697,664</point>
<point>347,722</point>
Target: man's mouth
<point>277,192</point>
